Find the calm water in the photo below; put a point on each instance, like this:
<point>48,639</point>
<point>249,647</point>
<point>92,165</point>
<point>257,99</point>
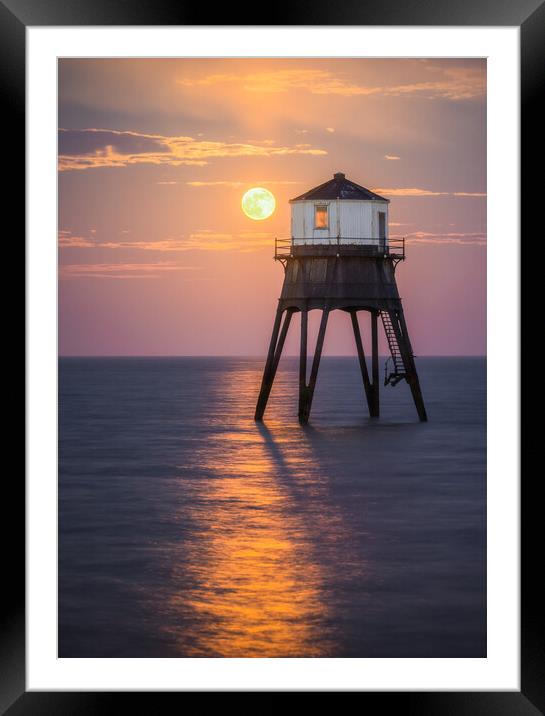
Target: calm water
<point>185,529</point>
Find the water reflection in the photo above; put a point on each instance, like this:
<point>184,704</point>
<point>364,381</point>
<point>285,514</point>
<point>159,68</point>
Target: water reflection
<point>258,584</point>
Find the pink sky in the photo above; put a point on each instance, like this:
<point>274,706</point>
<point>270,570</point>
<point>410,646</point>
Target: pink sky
<point>156,256</point>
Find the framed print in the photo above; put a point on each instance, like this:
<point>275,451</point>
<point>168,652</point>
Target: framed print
<point>297,474</point>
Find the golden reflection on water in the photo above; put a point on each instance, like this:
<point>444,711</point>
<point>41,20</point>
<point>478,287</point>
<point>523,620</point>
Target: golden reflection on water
<point>257,588</point>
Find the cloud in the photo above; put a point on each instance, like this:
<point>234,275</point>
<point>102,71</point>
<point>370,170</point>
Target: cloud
<point>161,245</point>
<point>92,148</point>
<point>120,270</point>
<point>415,192</point>
<point>330,129</point>
<point>266,142</point>
<point>452,83</point>
<point>68,240</point>
<point>238,184</point>
<point>201,240</point>
<point>210,240</point>
<point>205,240</point>
<point>391,157</point>
<point>233,184</point>
<point>91,141</point>
<point>459,238</point>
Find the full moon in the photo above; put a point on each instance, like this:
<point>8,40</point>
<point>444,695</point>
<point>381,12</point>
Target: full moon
<point>258,203</point>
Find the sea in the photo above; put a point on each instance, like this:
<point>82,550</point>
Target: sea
<point>186,529</point>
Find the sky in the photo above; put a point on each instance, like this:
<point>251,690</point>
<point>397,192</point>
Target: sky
<point>156,256</point>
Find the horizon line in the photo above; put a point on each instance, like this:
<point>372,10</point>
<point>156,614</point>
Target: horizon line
<point>261,357</point>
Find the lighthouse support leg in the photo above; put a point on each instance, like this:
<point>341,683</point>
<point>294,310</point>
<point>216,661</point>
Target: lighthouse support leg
<point>413,377</point>
<point>363,363</point>
<point>273,358</point>
<point>307,392</point>
<point>375,412</point>
<point>303,365</point>
<point>402,335</point>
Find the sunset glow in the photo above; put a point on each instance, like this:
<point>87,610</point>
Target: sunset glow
<point>157,254</point>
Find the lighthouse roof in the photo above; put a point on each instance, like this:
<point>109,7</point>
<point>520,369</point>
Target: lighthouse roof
<point>339,188</point>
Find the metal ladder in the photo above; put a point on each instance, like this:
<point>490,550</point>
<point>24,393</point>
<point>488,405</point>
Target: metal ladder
<point>397,372</point>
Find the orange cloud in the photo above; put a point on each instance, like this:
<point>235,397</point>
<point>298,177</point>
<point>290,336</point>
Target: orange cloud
<point>68,240</point>
<point>460,238</point>
<point>455,83</point>
<point>238,184</point>
<point>206,240</point>
<point>92,148</point>
<point>119,271</point>
<point>415,192</point>
<point>209,240</point>
<point>202,240</point>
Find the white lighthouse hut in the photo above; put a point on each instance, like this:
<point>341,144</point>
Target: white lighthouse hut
<point>339,212</point>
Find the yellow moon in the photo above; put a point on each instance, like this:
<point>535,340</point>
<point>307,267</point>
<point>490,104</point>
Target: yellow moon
<point>258,203</point>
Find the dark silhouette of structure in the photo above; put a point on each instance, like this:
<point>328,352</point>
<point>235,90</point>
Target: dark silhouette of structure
<point>340,257</point>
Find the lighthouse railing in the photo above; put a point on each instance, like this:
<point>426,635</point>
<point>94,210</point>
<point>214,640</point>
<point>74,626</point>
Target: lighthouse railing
<point>393,248</point>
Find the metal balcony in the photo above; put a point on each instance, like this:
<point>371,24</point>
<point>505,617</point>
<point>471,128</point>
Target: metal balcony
<point>393,249</point>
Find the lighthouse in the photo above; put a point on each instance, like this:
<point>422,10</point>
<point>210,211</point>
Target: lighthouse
<point>340,257</point>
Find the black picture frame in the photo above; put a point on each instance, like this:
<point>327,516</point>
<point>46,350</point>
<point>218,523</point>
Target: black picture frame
<point>15,16</point>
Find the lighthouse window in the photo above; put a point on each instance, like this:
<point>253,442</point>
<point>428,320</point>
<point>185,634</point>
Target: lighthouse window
<point>320,217</point>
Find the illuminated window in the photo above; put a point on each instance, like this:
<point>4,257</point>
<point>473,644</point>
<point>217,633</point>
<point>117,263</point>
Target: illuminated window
<point>320,217</point>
